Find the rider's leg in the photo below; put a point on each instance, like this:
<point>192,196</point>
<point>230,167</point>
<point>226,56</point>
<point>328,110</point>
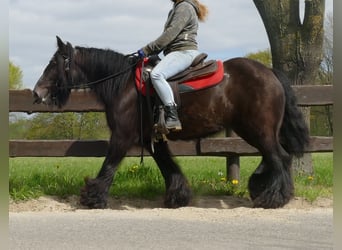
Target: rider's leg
<point>169,66</point>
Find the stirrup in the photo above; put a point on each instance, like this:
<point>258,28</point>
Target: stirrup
<point>173,125</point>
<point>160,126</point>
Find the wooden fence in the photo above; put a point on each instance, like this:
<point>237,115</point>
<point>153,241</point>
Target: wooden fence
<point>85,101</point>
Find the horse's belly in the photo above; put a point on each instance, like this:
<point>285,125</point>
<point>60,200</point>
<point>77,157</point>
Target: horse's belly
<point>196,125</point>
<point>204,112</point>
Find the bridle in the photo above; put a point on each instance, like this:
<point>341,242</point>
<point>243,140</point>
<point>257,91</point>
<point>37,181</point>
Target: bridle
<point>72,85</point>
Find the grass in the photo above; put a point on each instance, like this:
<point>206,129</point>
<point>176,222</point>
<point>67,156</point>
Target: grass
<point>34,177</point>
<point>320,184</point>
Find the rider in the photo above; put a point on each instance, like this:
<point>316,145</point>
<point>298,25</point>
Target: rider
<point>179,45</point>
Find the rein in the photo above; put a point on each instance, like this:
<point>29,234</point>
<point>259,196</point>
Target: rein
<point>67,66</point>
<point>141,115</point>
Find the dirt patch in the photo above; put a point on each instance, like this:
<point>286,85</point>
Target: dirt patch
<point>54,204</point>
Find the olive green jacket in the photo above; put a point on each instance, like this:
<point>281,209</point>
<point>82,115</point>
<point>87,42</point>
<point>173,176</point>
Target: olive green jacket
<point>180,30</point>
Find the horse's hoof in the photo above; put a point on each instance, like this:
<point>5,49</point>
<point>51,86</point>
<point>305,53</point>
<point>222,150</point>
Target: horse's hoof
<point>271,199</point>
<point>176,202</point>
<point>267,192</point>
<point>92,205</point>
<point>177,198</point>
<point>93,194</point>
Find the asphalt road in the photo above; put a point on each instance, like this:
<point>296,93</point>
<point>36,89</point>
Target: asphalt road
<point>241,228</point>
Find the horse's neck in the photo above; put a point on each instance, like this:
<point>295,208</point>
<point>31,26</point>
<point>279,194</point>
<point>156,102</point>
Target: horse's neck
<point>106,71</point>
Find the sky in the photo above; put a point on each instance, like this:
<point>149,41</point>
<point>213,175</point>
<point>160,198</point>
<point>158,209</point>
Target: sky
<point>234,28</point>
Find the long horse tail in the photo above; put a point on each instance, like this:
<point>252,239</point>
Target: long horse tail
<point>294,132</point>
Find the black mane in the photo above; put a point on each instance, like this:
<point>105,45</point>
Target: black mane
<point>101,63</point>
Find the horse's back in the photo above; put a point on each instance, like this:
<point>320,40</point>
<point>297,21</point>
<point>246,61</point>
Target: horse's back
<point>252,77</point>
<point>247,67</point>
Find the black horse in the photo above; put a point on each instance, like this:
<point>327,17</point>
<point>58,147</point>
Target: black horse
<point>252,100</point>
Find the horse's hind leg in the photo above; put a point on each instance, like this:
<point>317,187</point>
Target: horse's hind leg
<point>271,185</point>
<point>178,193</point>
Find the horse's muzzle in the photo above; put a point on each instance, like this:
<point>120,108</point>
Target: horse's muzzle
<point>41,95</point>
<point>36,98</point>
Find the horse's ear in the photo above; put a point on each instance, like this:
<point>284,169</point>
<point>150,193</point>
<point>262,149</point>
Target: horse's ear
<point>69,45</point>
<point>60,43</point>
<point>63,48</point>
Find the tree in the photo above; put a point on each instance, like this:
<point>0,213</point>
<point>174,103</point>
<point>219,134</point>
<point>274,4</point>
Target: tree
<point>18,127</point>
<point>263,56</point>
<point>326,72</point>
<point>296,46</point>
<point>91,125</point>
<point>322,116</point>
<point>15,77</point>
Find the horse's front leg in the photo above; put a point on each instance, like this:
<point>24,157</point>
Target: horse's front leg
<point>178,193</point>
<point>95,192</point>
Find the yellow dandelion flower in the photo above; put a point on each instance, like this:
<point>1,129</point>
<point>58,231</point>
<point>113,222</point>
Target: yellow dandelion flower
<point>310,178</point>
<point>235,182</point>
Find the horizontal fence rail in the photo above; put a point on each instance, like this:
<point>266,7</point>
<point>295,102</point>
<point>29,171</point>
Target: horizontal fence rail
<point>200,147</point>
<point>85,101</point>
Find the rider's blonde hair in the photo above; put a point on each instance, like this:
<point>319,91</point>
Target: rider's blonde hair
<point>203,10</point>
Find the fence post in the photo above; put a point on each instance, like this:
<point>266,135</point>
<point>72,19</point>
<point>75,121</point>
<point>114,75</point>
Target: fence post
<point>232,162</point>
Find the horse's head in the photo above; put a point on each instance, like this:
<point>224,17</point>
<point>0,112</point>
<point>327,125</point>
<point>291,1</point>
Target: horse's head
<point>54,85</point>
<point>78,67</point>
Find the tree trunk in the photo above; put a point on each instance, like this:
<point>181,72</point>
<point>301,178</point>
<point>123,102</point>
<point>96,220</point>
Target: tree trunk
<point>296,47</point>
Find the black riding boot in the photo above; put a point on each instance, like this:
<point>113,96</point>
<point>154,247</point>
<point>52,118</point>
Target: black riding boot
<point>172,121</point>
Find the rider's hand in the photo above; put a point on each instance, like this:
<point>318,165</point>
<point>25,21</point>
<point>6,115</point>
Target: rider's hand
<point>141,53</point>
